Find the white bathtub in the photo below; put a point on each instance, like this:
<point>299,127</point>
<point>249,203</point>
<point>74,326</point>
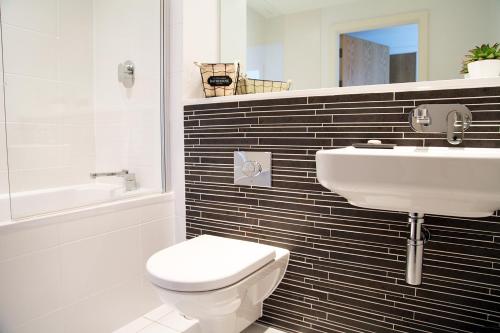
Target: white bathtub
<point>31,203</point>
<point>91,258</point>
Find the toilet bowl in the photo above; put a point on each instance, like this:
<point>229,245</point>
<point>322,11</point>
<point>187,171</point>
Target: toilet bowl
<point>220,282</point>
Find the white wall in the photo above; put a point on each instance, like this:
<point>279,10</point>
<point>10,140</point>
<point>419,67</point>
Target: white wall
<point>127,121</point>
<point>495,9</point>
<point>201,41</point>
<point>48,60</point>
<point>302,63</point>
<point>194,36</point>
<point>265,47</point>
<point>233,32</point>
<point>82,273</point>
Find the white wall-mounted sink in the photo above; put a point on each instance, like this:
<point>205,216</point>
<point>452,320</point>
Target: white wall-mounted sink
<point>437,180</point>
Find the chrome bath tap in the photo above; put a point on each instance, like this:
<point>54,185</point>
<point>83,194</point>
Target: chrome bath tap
<point>130,182</point>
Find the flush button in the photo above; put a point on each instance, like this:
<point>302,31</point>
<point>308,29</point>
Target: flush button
<point>252,168</point>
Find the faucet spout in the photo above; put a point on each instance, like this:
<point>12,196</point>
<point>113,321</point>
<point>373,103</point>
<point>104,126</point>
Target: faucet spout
<point>129,179</point>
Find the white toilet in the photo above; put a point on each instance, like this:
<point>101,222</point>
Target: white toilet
<point>218,281</point>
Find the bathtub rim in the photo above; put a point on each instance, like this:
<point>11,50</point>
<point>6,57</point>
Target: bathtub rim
<point>68,215</point>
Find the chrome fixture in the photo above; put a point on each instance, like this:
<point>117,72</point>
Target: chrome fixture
<point>456,127</point>
<point>252,168</point>
<point>452,119</point>
<point>421,115</point>
<point>130,182</point>
<point>415,248</point>
<point>126,74</point>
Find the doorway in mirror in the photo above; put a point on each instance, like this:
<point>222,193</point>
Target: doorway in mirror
<point>379,56</point>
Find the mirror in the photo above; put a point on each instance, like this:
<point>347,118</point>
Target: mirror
<point>331,43</point>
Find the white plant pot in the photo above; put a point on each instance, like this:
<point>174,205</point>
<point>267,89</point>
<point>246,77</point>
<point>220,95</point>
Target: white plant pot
<point>484,68</point>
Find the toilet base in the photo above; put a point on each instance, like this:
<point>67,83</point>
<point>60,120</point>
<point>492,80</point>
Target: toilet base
<point>231,323</point>
<point>223,318</point>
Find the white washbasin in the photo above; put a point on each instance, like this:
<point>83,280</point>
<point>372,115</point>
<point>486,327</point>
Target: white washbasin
<point>436,180</point>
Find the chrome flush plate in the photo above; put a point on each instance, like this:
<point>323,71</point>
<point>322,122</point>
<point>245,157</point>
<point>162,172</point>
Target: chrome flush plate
<point>252,168</point>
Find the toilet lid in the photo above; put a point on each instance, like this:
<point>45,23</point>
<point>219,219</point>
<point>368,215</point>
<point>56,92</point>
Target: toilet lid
<point>207,263</point>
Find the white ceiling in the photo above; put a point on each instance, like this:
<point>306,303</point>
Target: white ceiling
<point>272,8</point>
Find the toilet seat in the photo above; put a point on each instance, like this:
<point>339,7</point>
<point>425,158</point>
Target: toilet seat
<point>207,263</point>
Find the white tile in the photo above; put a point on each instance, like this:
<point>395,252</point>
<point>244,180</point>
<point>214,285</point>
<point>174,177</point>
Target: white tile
<point>157,211</point>
<point>30,287</point>
<point>23,157</point>
<point>19,48</point>
<point>84,317</point>
<point>257,328</point>
<point>75,60</point>
<point>40,16</point>
<point>51,323</point>
<point>96,225</point>
<point>150,295</point>
<point>159,312</point>
<point>27,180</point>
<point>135,326</point>
<point>156,236</point>
<point>33,100</point>
<point>78,103</point>
<point>22,241</point>
<point>157,328</point>
<point>121,304</point>
<point>22,133</point>
<point>179,323</point>
<point>75,19</point>
<point>98,263</point>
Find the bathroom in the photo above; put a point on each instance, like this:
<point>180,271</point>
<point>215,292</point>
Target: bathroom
<point>340,175</point>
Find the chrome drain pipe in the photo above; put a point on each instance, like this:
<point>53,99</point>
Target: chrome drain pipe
<point>415,248</point>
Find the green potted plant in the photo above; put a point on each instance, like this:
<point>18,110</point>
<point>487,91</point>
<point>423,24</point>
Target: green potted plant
<point>482,61</point>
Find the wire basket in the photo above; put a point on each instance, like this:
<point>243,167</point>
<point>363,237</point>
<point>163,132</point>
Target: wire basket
<point>219,79</point>
<point>253,86</point>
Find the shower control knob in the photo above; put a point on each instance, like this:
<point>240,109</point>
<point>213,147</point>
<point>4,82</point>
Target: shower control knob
<point>251,168</point>
<point>126,74</point>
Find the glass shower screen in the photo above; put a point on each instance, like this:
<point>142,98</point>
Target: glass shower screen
<point>83,103</point>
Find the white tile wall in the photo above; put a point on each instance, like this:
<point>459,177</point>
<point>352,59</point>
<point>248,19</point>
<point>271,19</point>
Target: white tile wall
<point>66,111</point>
<point>48,74</point>
<point>82,275</point>
<point>128,120</point>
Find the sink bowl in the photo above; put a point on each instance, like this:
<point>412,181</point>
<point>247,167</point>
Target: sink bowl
<point>432,180</point>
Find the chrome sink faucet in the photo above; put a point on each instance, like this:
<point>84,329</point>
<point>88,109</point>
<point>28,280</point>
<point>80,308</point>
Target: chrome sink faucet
<point>452,119</point>
<point>129,179</point>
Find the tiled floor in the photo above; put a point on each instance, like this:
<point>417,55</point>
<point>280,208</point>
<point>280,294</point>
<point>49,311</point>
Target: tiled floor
<point>166,320</point>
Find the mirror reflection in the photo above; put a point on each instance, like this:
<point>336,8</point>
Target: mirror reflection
<point>331,43</point>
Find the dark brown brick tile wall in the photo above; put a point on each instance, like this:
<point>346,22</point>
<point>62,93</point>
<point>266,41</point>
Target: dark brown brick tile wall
<point>346,272</point>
